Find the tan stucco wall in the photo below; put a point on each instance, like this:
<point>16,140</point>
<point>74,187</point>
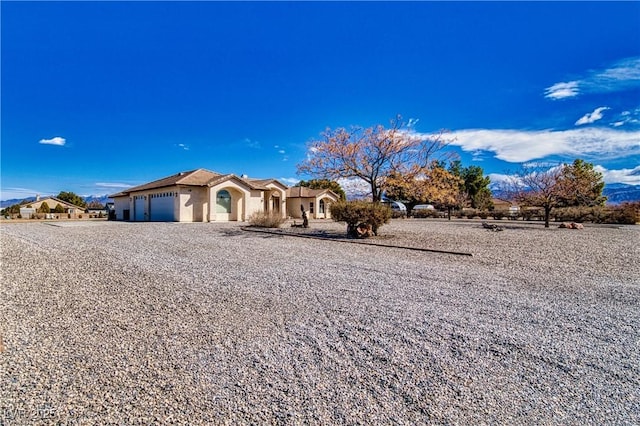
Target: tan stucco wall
<point>120,204</point>
<point>193,204</point>
<point>240,202</point>
<point>293,207</point>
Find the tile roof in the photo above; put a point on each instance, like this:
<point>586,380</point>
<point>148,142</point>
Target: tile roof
<point>304,192</point>
<point>199,177</point>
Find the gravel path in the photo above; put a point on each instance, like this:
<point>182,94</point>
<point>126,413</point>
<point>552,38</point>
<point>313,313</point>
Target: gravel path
<point>166,323</point>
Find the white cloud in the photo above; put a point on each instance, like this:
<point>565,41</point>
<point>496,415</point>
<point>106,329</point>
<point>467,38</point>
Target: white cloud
<point>622,75</point>
<point>19,193</point>
<point>54,141</point>
<point>517,146</point>
<point>562,90</point>
<point>113,185</point>
<point>628,176</point>
<point>591,117</point>
<point>183,146</point>
<point>289,181</point>
<point>251,143</point>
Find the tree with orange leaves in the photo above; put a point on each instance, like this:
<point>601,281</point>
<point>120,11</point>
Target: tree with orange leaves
<point>433,184</point>
<point>371,154</point>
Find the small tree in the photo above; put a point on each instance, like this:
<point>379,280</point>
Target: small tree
<point>581,185</point>
<point>568,185</point>
<point>44,208</point>
<point>58,208</point>
<point>430,185</point>
<point>474,185</point>
<point>324,184</point>
<point>360,214</point>
<point>72,198</point>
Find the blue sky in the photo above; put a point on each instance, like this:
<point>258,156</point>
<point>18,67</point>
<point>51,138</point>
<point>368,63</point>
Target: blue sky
<point>98,96</point>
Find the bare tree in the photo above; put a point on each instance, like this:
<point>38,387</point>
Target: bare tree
<point>371,154</point>
<point>576,184</point>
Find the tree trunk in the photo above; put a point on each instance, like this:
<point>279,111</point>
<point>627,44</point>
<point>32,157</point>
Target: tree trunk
<point>547,214</point>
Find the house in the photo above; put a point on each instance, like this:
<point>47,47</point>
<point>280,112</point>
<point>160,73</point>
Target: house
<point>200,196</point>
<point>30,208</point>
<point>315,202</point>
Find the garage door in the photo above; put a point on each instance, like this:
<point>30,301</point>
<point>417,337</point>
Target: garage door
<point>162,207</point>
<point>138,208</point>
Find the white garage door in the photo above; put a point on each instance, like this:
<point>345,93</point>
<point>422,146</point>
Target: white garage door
<point>162,207</point>
<point>138,207</point>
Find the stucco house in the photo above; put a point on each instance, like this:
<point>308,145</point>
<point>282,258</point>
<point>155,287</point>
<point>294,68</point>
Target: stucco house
<point>316,202</point>
<point>200,196</point>
<point>27,209</point>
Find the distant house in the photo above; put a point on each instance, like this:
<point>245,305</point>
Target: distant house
<point>28,209</point>
<point>200,196</point>
<point>315,202</point>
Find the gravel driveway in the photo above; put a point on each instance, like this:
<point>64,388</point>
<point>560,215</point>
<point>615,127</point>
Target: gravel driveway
<point>168,323</point>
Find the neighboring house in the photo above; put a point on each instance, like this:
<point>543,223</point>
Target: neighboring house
<point>315,202</point>
<point>200,196</point>
<point>27,209</point>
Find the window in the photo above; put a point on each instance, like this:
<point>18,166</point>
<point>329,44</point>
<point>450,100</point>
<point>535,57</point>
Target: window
<point>223,201</point>
<point>311,207</point>
<point>321,207</point>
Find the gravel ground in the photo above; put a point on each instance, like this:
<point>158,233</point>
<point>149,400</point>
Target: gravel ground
<point>166,323</point>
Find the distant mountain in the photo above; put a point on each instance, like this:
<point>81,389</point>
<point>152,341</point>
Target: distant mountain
<point>618,193</point>
<point>102,199</point>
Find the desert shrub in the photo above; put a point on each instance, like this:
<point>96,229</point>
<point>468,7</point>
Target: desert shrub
<point>532,213</point>
<point>424,213</point>
<point>356,213</point>
<point>266,219</point>
<point>626,214</point>
<point>483,214</point>
<point>499,214</point>
<point>469,213</point>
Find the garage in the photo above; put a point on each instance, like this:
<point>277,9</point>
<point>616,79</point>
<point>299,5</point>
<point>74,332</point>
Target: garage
<point>138,208</point>
<point>161,207</point>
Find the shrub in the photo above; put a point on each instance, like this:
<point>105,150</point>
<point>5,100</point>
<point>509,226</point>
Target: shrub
<point>499,214</point>
<point>266,219</point>
<point>424,213</point>
<point>356,213</point>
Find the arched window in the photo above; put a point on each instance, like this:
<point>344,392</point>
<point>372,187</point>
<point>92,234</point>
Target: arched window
<point>223,201</point>
<point>321,206</point>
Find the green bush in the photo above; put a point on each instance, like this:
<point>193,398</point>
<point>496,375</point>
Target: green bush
<point>266,220</point>
<point>356,213</point>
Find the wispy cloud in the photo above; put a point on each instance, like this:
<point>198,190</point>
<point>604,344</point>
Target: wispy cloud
<point>183,146</point>
<point>627,118</point>
<point>58,141</point>
<point>622,75</point>
<point>251,143</point>
<point>21,193</point>
<point>516,146</point>
<point>113,185</point>
<point>591,117</point>
<point>289,181</point>
<point>562,90</point>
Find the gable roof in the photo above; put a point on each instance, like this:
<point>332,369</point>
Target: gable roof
<point>304,192</point>
<point>54,200</point>
<point>199,177</point>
